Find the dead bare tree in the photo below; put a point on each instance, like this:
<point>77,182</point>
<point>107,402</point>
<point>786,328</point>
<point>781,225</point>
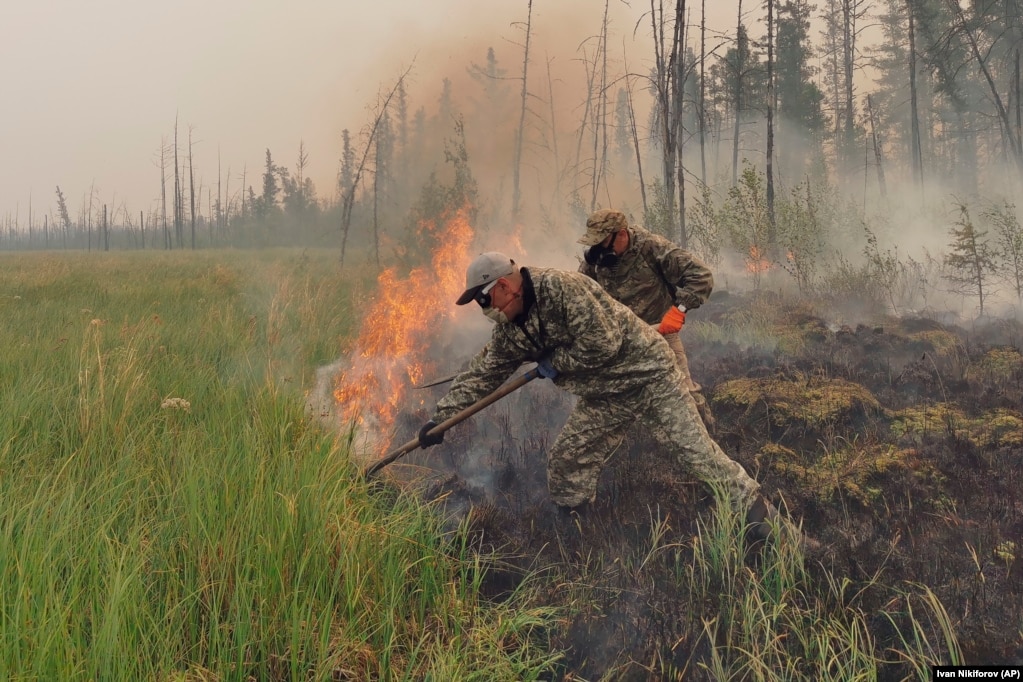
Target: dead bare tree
<point>878,152</point>
<point>635,138</point>
<point>848,47</point>
<point>178,205</point>
<point>220,201</point>
<point>678,93</point>
<point>520,135</point>
<point>245,168</point>
<point>600,115</point>
<point>348,200</point>
<point>163,192</point>
<point>191,186</point>
<point>915,145</point>
<point>669,86</point>
<point>701,106</point>
<point>554,134</point>
<point>228,201</point>
<point>88,216</point>
<point>769,162</point>
<point>740,46</point>
<point>585,121</point>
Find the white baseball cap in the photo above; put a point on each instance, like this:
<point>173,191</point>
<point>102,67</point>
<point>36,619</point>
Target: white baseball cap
<point>483,271</point>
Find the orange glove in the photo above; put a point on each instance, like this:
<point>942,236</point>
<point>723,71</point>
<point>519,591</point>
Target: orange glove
<point>672,321</point>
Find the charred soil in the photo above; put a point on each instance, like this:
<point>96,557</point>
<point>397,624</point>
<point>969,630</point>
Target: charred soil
<point>898,445</point>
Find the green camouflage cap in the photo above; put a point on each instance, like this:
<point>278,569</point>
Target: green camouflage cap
<point>602,223</point>
<point>485,269</point>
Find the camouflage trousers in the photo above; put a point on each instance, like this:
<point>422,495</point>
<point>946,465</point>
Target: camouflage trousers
<point>597,427</point>
<point>688,385</point>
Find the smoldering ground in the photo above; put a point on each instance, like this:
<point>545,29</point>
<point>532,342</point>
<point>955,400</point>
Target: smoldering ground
<point>839,424</point>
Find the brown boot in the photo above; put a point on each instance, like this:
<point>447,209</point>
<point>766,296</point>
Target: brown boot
<point>764,522</point>
<point>758,520</point>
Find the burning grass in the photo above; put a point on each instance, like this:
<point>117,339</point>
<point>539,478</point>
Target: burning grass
<point>389,354</point>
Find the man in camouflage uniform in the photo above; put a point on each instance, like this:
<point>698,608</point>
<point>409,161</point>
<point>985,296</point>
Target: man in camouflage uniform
<point>656,279</point>
<point>594,347</point>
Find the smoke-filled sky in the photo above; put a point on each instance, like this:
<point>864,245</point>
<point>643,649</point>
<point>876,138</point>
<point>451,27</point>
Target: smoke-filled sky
<point>91,89</point>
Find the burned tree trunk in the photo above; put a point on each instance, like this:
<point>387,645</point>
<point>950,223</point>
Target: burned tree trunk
<point>771,236</point>
<point>348,200</point>
<point>1016,99</point>
<point>701,107</point>
<point>191,187</point>
<point>554,134</point>
<point>878,153</point>
<point>600,117</point>
<point>668,86</point>
<point>915,150</point>
<point>516,192</point>
<point>740,61</point>
<point>678,87</point>
<point>88,218</point>
<point>635,140</point>
<point>178,205</point>
<point>163,192</point>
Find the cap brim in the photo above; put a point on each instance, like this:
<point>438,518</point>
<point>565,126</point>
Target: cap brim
<point>587,240</point>
<point>468,295</point>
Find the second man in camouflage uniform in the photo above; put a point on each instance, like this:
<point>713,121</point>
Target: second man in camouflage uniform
<point>656,279</point>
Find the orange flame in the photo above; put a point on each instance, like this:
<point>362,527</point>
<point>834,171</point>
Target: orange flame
<point>757,261</point>
<point>389,352</point>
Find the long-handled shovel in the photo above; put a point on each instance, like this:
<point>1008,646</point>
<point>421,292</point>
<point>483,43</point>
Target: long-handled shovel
<point>436,382</point>
<point>408,447</point>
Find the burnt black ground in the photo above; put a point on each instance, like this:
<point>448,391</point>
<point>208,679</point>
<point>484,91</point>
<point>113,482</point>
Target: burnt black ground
<point>945,510</point>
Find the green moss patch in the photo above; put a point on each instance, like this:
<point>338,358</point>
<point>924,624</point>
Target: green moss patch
<point>997,364</point>
<point>994,429</point>
<point>852,470</point>
<point>811,401</point>
<point>941,343</point>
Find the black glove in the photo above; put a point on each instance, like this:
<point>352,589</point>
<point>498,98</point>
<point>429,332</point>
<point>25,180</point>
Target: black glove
<point>427,440</point>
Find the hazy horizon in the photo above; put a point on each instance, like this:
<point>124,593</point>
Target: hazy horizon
<point>92,89</point>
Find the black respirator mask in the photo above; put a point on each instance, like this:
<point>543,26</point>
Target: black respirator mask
<point>602,256</point>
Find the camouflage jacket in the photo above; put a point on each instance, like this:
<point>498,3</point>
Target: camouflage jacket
<point>597,345</point>
<point>652,275</point>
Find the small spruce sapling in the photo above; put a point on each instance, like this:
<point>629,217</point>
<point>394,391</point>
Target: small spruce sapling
<point>970,263</point>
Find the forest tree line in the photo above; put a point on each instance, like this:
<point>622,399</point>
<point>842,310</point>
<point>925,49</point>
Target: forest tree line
<point>868,102</point>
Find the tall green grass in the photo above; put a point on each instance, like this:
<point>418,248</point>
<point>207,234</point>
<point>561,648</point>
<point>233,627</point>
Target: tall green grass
<point>759,614</point>
<point>777,623</point>
<point>169,511</point>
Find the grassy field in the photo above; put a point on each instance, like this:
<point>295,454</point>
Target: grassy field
<point>169,511</point>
